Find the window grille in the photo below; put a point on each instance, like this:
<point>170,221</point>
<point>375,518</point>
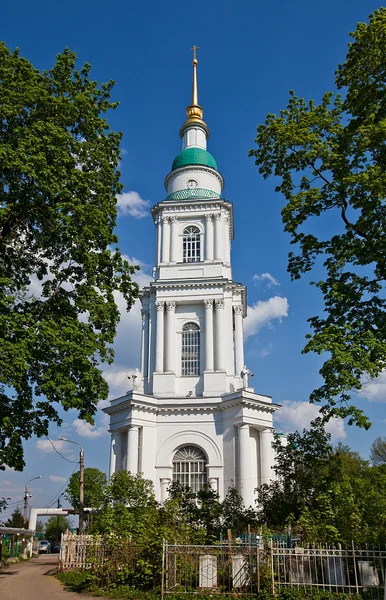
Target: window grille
<point>189,468</point>
<point>191,244</point>
<point>190,349</point>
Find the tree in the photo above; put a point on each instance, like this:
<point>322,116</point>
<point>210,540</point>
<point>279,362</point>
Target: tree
<point>95,486</point>
<point>300,466</point>
<point>378,451</point>
<point>330,160</point>
<point>60,268</point>
<point>234,514</point>
<point>129,507</point>
<point>55,526</point>
<point>16,520</point>
<point>326,494</point>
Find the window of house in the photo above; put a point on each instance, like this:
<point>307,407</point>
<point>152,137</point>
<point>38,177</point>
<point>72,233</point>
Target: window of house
<point>191,242</point>
<point>189,467</point>
<point>190,364</point>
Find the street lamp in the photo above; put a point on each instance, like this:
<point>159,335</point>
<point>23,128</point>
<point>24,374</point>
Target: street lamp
<point>26,496</point>
<point>81,482</point>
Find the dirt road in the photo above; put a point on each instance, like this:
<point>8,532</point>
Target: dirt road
<point>33,580</point>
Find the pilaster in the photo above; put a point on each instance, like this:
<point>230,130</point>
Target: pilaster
<point>170,333</point>
<point>165,240</point>
<point>239,343</point>
<point>159,349</point>
<point>218,237</point>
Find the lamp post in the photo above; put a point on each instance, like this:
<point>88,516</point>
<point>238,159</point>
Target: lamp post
<point>26,496</point>
<point>81,482</point>
<point>57,518</point>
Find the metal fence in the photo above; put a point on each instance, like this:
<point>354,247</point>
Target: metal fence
<point>243,569</point>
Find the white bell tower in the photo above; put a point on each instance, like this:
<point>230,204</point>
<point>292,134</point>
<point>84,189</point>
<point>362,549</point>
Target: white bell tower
<point>192,416</point>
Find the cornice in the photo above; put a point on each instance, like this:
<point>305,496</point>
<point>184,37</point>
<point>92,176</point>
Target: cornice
<point>151,404</point>
<point>173,206</point>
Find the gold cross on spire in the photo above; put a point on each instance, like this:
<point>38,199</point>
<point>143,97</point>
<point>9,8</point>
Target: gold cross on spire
<point>195,48</point>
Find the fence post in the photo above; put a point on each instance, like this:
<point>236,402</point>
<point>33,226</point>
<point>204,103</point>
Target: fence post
<point>163,569</point>
<point>273,575</point>
<point>355,566</point>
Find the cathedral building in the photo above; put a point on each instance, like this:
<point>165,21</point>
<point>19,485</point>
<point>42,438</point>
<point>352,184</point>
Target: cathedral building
<point>192,416</point>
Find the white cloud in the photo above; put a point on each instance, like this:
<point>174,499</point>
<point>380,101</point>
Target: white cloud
<point>263,312</point>
<point>131,203</point>
<point>46,446</point>
<point>375,389</point>
<point>298,416</point>
<point>85,430</point>
<point>271,281</point>
<point>57,479</point>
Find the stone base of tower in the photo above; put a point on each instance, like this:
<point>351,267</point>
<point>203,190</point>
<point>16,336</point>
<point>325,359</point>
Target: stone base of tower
<point>232,434</point>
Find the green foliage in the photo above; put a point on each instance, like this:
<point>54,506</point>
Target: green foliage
<point>95,486</point>
<point>55,526</point>
<point>3,503</point>
<point>378,451</point>
<point>327,495</point>
<point>16,520</point>
<point>330,159</point>
<point>58,184</point>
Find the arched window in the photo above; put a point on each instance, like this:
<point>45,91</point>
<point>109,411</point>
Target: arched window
<point>191,242</point>
<point>189,467</point>
<point>190,355</point>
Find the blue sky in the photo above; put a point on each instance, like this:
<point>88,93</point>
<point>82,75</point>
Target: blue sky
<point>250,55</point>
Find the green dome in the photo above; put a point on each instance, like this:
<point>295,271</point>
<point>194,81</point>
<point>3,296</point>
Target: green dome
<point>194,156</point>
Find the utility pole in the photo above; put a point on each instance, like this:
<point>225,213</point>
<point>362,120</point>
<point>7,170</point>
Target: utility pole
<point>81,483</point>
<point>57,519</point>
<point>27,496</point>
<point>81,491</point>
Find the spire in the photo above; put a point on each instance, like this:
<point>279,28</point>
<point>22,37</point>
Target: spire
<point>194,111</point>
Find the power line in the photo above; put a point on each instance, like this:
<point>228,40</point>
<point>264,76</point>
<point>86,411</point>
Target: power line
<point>51,502</point>
<point>60,454</point>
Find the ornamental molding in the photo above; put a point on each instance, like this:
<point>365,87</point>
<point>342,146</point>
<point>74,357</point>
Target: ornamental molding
<point>208,304</point>
<point>219,303</point>
<point>159,306</point>
<point>239,310</point>
<point>192,193</point>
<point>193,169</point>
<point>165,219</point>
<point>166,210</point>
<point>170,306</point>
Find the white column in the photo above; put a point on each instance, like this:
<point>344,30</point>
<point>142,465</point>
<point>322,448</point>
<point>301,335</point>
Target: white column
<point>220,337</point>
<point>165,482</point>
<point>266,456</point>
<point>158,247</point>
<point>132,449</point>
<point>173,240</point>
<point>218,237</point>
<point>145,342</point>
<point>115,452</point>
<point>209,237</point>
<point>165,240</point>
<point>244,463</point>
<point>213,483</point>
<point>170,344</point>
<point>159,341</point>
<point>208,335</point>
<point>227,241</point>
<point>239,345</point>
